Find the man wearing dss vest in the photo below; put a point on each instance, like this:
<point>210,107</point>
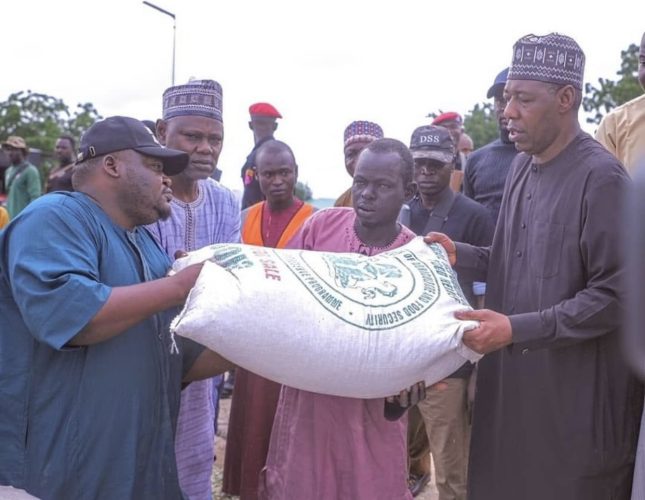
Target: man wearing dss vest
<point>270,223</point>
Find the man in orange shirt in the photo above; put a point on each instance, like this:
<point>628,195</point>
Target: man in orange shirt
<point>269,223</point>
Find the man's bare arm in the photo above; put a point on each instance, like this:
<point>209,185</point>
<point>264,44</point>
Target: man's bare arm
<point>128,305</point>
<point>208,364</point>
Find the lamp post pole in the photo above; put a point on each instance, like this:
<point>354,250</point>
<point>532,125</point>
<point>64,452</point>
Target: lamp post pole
<point>174,32</point>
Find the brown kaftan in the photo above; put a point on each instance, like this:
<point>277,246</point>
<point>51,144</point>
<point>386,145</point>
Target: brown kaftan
<point>556,413</point>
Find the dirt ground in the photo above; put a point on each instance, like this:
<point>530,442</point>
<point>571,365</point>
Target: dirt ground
<point>430,492</point>
<point>9,493</point>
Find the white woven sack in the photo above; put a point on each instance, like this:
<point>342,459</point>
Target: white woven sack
<point>332,323</point>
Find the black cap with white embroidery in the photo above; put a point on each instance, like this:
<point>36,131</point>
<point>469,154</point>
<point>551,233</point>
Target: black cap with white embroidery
<point>433,142</point>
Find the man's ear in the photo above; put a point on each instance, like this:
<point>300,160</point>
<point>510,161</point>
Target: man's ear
<point>566,98</point>
<point>251,125</point>
<point>410,190</point>
<point>162,130</point>
<point>111,166</point>
<point>275,126</point>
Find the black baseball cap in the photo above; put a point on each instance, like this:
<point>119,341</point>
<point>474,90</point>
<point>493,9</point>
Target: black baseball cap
<point>434,142</point>
<point>500,81</point>
<point>118,133</point>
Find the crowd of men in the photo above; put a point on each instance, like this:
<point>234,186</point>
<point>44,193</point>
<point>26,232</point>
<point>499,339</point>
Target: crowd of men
<point>99,401</point>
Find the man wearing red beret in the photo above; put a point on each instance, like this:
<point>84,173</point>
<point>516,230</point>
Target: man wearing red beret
<point>455,123</point>
<point>263,124</point>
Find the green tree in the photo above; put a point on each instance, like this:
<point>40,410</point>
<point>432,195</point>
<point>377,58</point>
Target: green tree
<point>303,191</point>
<point>480,124</point>
<point>40,119</point>
<point>609,94</point>
<point>84,117</point>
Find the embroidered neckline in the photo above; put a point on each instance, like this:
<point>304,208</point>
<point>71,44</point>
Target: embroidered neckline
<point>191,204</point>
<point>189,219</point>
<point>354,238</point>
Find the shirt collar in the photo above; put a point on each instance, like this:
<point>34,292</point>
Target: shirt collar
<point>444,203</point>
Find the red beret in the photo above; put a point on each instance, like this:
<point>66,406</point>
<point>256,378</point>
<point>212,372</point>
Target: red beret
<point>264,109</point>
<point>446,117</point>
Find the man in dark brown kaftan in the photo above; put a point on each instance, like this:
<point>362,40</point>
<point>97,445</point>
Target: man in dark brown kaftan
<point>556,409</point>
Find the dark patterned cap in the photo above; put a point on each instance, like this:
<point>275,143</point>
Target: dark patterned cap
<point>552,58</point>
<point>360,131</point>
<point>196,98</point>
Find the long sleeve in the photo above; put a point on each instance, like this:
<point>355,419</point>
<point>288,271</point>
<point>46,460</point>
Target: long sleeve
<point>229,206</point>
<point>482,229</point>
<point>634,232</point>
<point>236,231</point>
<point>472,262</point>
<point>594,310</point>
<point>468,183</point>
<point>606,133</point>
<point>34,186</point>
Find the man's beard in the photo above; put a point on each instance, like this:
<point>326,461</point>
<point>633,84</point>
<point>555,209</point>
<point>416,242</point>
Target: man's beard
<point>164,213</point>
<point>503,135</point>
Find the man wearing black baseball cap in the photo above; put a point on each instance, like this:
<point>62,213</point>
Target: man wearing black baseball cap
<point>122,151</point>
<point>436,207</point>
<point>89,377</point>
<point>119,133</point>
<point>488,166</point>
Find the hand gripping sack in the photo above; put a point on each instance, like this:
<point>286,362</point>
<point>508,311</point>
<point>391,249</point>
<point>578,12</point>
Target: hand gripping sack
<point>333,323</point>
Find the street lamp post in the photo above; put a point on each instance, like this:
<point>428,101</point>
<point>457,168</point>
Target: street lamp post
<point>174,33</point>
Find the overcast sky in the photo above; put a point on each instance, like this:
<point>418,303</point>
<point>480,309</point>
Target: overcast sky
<point>321,64</point>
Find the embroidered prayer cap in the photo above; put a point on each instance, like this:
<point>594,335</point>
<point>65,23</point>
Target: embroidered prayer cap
<point>15,141</point>
<point>449,116</point>
<point>433,142</point>
<point>552,58</point>
<point>498,84</point>
<point>362,131</point>
<point>118,133</point>
<point>264,109</point>
<point>195,98</point>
